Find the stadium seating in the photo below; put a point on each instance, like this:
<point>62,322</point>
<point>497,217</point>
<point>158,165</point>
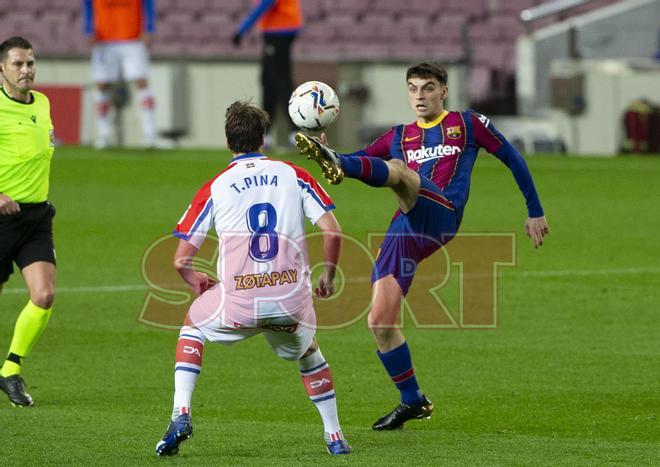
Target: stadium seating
<point>483,31</point>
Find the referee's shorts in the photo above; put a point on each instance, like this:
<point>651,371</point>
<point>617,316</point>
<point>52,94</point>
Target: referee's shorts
<point>26,237</point>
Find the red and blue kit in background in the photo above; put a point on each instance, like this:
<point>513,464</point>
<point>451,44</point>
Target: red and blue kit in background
<point>443,152</point>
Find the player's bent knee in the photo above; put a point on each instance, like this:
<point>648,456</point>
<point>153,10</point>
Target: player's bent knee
<point>289,356</point>
<point>312,348</point>
<point>396,164</point>
<point>397,169</point>
<point>404,181</point>
<point>43,298</point>
<point>381,320</point>
<point>410,179</point>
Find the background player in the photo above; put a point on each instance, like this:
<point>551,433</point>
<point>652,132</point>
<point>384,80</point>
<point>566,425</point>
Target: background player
<point>428,164</point>
<point>26,217</point>
<point>119,33</point>
<point>279,22</point>
<point>258,208</point>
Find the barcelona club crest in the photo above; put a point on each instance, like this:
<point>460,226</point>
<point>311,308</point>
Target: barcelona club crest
<point>454,132</point>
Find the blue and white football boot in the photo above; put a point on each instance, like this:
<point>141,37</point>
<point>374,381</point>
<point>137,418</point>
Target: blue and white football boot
<point>177,432</point>
<point>338,446</point>
<point>326,158</point>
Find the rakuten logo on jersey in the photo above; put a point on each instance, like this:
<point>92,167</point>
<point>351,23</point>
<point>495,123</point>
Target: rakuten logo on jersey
<point>426,154</point>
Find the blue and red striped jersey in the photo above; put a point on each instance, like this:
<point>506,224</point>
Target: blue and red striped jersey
<point>445,150</point>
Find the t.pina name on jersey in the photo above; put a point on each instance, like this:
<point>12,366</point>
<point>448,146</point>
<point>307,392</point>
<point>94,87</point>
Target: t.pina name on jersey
<point>254,181</point>
<point>266,279</point>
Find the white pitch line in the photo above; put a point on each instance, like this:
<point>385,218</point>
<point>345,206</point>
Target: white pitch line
<point>590,272</point>
<point>558,273</point>
<point>86,289</point>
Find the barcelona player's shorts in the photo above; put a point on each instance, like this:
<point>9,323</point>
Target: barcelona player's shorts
<point>415,235</point>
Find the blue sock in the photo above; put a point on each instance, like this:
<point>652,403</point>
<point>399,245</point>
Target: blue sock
<point>371,170</point>
<point>398,364</point>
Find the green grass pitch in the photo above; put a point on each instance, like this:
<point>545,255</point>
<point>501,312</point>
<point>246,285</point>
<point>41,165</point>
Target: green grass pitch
<point>570,376</point>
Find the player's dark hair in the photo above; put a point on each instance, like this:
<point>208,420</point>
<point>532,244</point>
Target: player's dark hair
<point>428,70</point>
<point>245,126</point>
<point>15,42</point>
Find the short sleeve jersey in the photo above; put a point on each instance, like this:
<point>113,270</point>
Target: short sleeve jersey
<point>258,208</point>
<point>26,147</point>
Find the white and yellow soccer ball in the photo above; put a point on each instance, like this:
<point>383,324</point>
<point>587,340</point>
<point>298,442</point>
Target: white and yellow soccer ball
<point>313,106</point>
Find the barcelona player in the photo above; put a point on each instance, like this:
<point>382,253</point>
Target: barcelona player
<point>427,164</point>
<point>258,208</point>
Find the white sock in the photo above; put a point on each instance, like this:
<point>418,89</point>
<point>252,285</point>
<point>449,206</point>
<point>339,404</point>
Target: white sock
<point>147,114</point>
<point>102,99</point>
<point>318,382</point>
<point>189,350</point>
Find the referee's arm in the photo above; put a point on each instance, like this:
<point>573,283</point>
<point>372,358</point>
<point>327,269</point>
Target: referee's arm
<point>8,205</point>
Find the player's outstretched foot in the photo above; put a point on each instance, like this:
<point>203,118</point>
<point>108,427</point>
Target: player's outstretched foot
<point>311,147</point>
<point>402,413</point>
<point>14,386</point>
<point>177,432</point>
<point>339,446</point>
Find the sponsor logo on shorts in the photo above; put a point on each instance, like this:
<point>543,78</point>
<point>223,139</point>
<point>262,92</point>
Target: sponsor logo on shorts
<point>266,279</point>
<point>288,328</point>
<point>424,154</point>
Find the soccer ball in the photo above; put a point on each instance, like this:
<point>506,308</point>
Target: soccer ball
<point>313,106</point>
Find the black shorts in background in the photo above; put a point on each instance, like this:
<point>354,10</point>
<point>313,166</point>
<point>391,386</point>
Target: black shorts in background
<point>26,237</point>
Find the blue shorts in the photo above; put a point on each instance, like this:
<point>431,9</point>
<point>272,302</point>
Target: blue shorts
<point>413,236</point>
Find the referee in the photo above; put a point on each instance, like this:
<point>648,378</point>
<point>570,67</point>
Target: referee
<point>26,218</point>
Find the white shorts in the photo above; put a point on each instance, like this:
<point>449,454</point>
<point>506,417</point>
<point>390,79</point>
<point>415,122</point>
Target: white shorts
<point>114,61</point>
<point>227,320</point>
